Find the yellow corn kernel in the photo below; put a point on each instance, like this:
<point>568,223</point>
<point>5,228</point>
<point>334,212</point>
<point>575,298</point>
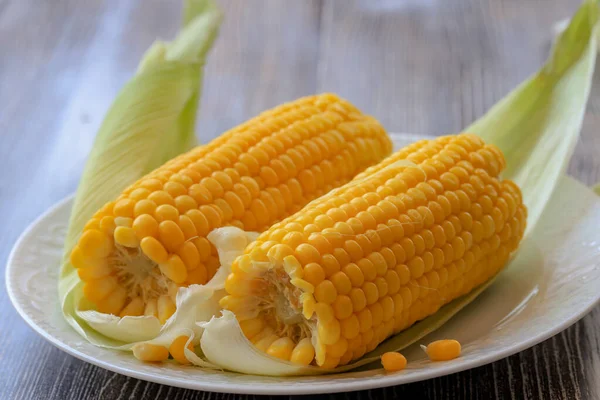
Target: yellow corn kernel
<point>107,225</point>
<point>160,197</point>
<point>124,208</point>
<point>330,362</point>
<point>97,267</point>
<point>325,292</point>
<point>174,269</point>
<point>97,289</point>
<point>166,212</point>
<point>123,221</point>
<point>126,237</point>
<point>150,352</point>
<point>252,327</point>
<point>145,225</point>
<point>187,227</point>
<point>139,194</point>
<point>443,350</point>
<point>393,361</point>
<point>94,269</point>
<point>144,206</point>
<point>303,353</point>
<point>165,307</point>
<point>94,243</point>
<point>170,235</point>
<point>329,332</point>
<point>114,302</point>
<point>281,348</point>
<point>154,250</point>
<point>189,255</point>
<point>313,273</point>
<point>151,308</point>
<point>176,349</point>
<point>343,306</point>
<point>197,276</point>
<point>339,348</point>
<point>135,308</point>
<point>264,343</point>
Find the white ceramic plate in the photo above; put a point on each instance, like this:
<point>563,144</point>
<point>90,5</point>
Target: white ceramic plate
<point>551,284</point>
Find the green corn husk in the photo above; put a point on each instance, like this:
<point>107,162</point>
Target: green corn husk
<point>537,125</point>
<point>151,121</point>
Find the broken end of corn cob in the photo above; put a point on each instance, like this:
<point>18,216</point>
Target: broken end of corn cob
<point>136,251</point>
<point>331,282</point>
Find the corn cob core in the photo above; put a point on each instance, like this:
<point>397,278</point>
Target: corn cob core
<point>139,249</point>
<point>373,257</point>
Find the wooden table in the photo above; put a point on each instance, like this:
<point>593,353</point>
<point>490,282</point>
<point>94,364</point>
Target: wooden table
<point>421,66</point>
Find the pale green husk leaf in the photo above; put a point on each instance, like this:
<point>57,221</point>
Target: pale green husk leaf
<point>151,121</point>
<point>537,125</point>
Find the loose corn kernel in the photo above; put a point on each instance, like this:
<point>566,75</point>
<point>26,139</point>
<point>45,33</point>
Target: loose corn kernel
<point>176,349</point>
<point>443,350</point>
<point>393,361</point>
<point>150,352</point>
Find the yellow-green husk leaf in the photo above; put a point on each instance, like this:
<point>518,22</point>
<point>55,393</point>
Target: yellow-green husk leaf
<point>537,125</point>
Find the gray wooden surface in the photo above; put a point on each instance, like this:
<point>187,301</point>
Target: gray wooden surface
<point>423,66</point>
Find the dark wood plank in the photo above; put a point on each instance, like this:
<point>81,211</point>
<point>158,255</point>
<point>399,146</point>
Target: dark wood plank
<point>419,66</point>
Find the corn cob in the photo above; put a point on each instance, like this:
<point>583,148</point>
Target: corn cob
<point>369,259</point>
<point>139,249</point>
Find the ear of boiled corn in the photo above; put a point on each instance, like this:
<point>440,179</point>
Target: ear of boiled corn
<point>137,250</point>
<point>371,258</point>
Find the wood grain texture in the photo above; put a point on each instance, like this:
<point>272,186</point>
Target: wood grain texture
<point>423,66</point>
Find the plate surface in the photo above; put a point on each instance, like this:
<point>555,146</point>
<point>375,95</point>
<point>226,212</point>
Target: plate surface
<point>550,284</point>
